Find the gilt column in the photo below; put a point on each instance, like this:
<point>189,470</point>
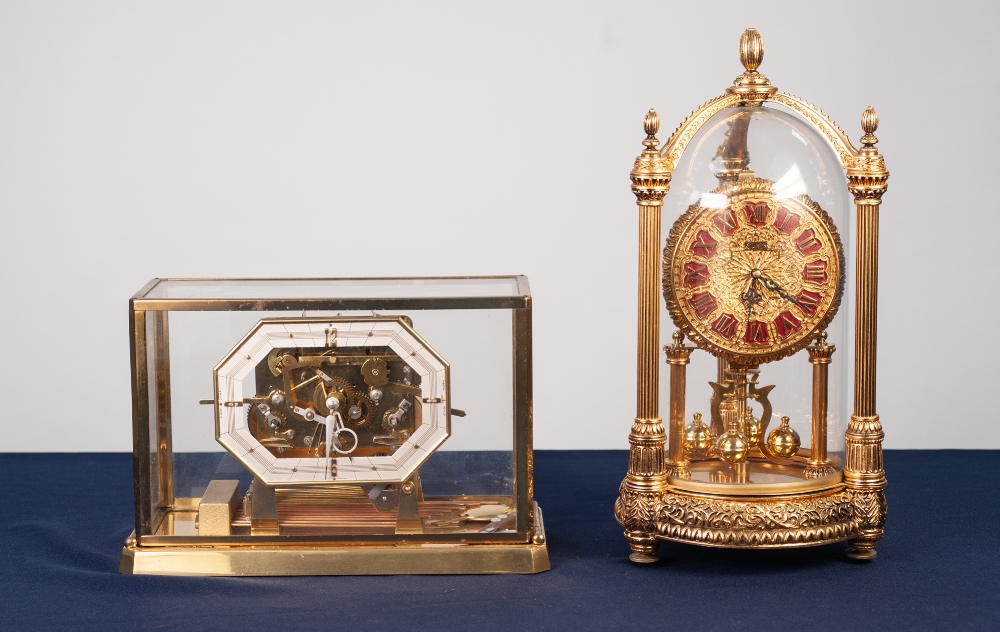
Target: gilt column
<point>864,473</point>
<point>646,480</point>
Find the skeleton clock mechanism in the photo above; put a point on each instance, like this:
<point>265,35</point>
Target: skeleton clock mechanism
<point>764,452</point>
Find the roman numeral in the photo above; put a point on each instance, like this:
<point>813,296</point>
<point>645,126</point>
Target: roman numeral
<point>703,303</point>
<point>695,274</point>
<point>725,326</point>
<point>725,221</point>
<point>756,213</point>
<point>786,324</point>
<point>815,271</point>
<point>786,221</point>
<point>756,333</point>
<point>807,242</point>
<point>808,302</point>
<point>704,244</point>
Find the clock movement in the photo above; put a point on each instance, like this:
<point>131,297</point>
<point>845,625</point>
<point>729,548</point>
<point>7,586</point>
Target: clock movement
<point>307,426</point>
<point>761,450</point>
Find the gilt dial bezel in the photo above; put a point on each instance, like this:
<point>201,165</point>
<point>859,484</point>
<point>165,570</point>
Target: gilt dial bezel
<point>742,353</point>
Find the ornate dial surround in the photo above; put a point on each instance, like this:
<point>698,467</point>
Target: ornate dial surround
<point>754,281</point>
<point>233,430</point>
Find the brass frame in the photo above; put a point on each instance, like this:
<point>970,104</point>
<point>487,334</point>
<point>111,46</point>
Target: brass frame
<point>524,551</point>
<point>652,509</point>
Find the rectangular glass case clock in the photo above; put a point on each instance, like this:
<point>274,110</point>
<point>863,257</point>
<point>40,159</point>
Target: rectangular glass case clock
<point>333,426</point>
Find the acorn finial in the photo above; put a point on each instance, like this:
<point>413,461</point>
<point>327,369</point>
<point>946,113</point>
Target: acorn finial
<point>751,49</point>
<point>652,125</point>
<point>652,122</point>
<point>869,120</point>
<point>869,123</point>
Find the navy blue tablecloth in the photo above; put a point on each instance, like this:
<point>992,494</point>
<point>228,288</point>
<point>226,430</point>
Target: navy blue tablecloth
<point>63,518</point>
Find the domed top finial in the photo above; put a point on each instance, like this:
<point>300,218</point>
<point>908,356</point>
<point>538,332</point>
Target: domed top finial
<point>652,122</point>
<point>751,49</point>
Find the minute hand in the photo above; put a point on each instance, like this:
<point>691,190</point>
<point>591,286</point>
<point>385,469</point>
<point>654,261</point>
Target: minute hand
<point>777,289</point>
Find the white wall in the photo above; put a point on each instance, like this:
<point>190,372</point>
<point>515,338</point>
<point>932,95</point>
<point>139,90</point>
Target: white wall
<point>138,139</point>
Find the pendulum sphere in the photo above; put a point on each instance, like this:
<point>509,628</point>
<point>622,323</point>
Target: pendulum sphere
<point>754,429</point>
<point>733,447</point>
<point>783,441</point>
<point>697,436</point>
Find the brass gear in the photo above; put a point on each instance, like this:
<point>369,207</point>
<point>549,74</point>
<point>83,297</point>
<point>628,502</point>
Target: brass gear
<point>375,372</point>
<point>357,398</point>
<point>325,389</point>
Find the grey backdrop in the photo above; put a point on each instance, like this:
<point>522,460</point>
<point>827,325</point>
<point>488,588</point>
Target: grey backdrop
<point>167,139</point>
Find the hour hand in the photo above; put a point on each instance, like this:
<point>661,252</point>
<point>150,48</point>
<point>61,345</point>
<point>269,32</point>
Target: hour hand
<point>752,296</point>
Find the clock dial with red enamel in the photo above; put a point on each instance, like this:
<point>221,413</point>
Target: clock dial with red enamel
<point>755,280</point>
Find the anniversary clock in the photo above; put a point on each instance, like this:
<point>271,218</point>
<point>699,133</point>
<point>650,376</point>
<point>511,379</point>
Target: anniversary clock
<point>760,448</point>
<point>309,426</point>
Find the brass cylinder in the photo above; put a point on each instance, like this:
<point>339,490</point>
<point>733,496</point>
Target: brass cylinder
<point>866,310</point>
<point>820,354</point>
<point>864,473</point>
<point>678,358</point>
<point>646,479</point>
<point>819,404</point>
<point>647,357</point>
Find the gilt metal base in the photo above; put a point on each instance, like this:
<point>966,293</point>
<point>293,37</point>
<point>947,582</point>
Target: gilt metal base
<point>342,559</point>
<point>810,519</point>
<point>825,516</point>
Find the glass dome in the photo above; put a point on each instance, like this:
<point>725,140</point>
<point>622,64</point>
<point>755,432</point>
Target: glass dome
<point>753,272</point>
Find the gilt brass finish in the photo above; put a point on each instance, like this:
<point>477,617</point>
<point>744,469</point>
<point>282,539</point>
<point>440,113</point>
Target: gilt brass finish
<point>820,354</point>
<point>410,557</point>
<point>764,276</point>
<point>322,369</point>
<point>646,479</point>
<point>678,356</point>
<point>753,279</point>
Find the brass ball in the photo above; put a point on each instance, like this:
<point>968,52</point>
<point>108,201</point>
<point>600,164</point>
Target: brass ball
<point>754,429</point>
<point>733,447</point>
<point>783,441</point>
<point>697,436</point>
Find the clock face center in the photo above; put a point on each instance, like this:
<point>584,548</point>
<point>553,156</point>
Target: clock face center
<point>756,273</point>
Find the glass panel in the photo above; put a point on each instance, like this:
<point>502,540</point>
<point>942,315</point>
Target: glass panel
<point>155,378</point>
<point>466,485</point>
<point>759,198</point>
<point>259,289</point>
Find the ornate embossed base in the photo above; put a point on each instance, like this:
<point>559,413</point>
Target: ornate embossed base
<point>791,521</point>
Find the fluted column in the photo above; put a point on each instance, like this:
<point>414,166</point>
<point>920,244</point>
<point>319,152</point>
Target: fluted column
<point>864,473</point>
<point>646,480</point>
<point>678,357</point>
<point>820,354</point>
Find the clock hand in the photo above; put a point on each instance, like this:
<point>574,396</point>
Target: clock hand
<point>751,297</point>
<point>774,287</point>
